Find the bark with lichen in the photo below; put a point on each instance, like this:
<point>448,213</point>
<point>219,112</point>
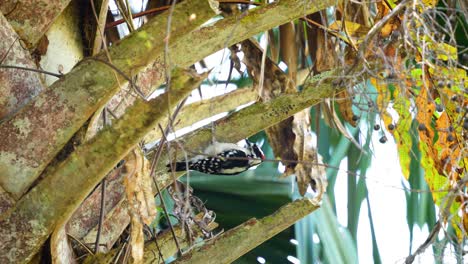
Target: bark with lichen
<point>236,242</point>
<point>73,99</point>
<point>50,204</point>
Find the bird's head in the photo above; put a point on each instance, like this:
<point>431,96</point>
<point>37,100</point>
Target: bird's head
<point>256,153</point>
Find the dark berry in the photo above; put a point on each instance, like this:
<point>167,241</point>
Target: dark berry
<point>450,128</point>
<point>449,84</point>
<point>421,127</point>
<point>454,98</point>
<point>376,127</point>
<point>450,138</point>
<point>439,108</point>
<point>440,84</point>
<point>355,118</point>
<point>370,104</point>
<point>458,109</point>
<point>383,139</point>
<point>391,127</point>
<point>465,125</point>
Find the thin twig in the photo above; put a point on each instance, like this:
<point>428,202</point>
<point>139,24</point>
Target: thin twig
<point>119,253</point>
<point>160,255</point>
<point>101,215</point>
<point>164,8</point>
<point>140,14</point>
<point>376,29</point>
<point>262,69</point>
<point>430,239</point>
<point>13,9</point>
<point>122,7</point>
<point>81,244</point>
<point>167,60</point>
<point>239,2</point>
<point>127,252</point>
<point>345,29</point>
<point>153,167</point>
<point>100,25</point>
<point>58,75</point>
<point>8,51</point>
<point>106,51</point>
<point>322,165</point>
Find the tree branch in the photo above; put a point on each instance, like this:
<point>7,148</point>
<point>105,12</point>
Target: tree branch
<point>32,138</point>
<point>32,19</point>
<point>200,110</point>
<point>166,244</point>
<point>234,243</point>
<point>52,201</point>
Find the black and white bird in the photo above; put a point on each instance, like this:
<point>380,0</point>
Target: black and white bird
<point>223,159</point>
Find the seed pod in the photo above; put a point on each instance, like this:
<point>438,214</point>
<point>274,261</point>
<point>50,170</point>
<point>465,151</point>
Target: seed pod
<point>383,139</point>
<point>450,138</point>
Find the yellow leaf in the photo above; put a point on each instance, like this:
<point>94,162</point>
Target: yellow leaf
<point>354,30</point>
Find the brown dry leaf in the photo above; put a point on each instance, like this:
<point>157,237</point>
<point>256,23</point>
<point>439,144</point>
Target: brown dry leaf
<point>339,125</point>
<point>281,138</point>
<point>389,27</point>
<point>288,52</point>
<point>345,105</point>
<point>307,173</point>
<point>137,240</point>
<point>141,205</point>
<point>60,249</point>
<point>355,30</point>
<point>465,215</point>
<point>138,187</point>
<point>321,48</point>
<point>276,82</point>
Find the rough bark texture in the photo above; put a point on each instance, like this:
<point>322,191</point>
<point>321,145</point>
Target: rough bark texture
<point>87,216</point>
<point>17,87</point>
<point>51,203</point>
<point>234,243</point>
<point>31,19</point>
<point>36,134</point>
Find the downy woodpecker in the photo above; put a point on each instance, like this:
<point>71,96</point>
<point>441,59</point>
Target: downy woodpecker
<point>223,159</point>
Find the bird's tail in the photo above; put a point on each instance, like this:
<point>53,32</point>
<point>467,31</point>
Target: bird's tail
<point>178,166</point>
